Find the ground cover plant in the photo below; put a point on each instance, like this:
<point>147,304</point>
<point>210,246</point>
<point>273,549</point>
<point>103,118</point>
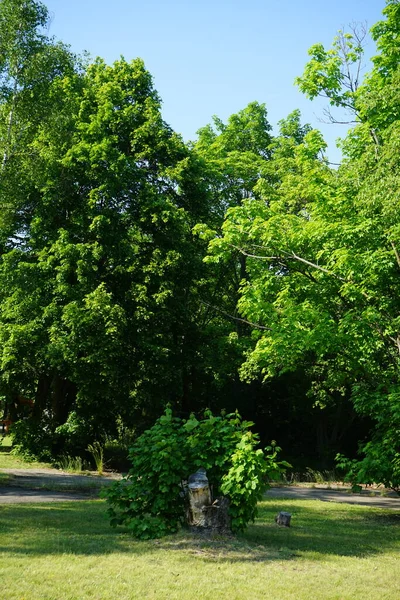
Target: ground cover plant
<point>11,460</point>
<point>332,551</point>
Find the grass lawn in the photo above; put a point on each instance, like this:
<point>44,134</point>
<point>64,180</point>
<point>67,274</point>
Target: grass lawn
<point>68,552</point>
<point>9,461</point>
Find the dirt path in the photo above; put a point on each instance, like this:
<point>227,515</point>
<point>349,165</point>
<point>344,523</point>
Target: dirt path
<point>16,495</point>
<point>365,498</point>
<point>51,485</point>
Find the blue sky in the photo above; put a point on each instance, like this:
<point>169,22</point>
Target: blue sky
<point>214,57</point>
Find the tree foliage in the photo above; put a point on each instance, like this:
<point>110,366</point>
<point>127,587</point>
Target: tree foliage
<point>322,252</point>
<point>108,311</point>
<point>99,269</point>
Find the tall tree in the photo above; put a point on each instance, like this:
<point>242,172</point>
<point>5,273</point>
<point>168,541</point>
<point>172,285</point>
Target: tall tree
<point>322,278</point>
<point>98,262</point>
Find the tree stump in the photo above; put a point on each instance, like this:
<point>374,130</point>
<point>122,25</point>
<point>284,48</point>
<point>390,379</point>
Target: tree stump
<point>204,514</point>
<point>199,497</point>
<point>283,518</point>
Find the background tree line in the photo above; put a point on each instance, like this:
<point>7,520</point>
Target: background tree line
<point>238,271</point>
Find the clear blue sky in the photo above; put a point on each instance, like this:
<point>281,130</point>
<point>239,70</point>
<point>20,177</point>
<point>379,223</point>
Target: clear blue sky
<point>215,56</point>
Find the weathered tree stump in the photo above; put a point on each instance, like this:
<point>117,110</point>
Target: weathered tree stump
<point>204,514</point>
<point>283,518</point>
<point>199,497</point>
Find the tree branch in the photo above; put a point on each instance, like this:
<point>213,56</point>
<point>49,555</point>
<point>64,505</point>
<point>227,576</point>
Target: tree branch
<point>226,314</point>
<point>396,252</point>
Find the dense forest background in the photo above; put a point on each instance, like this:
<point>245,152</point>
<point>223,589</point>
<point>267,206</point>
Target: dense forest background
<point>240,271</point>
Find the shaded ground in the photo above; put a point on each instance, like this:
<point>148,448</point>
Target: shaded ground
<point>52,485</point>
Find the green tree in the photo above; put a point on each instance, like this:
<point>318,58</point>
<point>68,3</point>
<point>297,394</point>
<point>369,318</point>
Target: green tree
<point>109,242</point>
<point>233,155</point>
<point>29,63</point>
<point>98,269</point>
<point>322,253</point>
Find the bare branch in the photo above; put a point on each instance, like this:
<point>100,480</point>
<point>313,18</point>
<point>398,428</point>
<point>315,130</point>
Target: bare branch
<point>395,252</point>
<point>315,266</point>
<point>226,314</point>
<point>254,255</point>
<point>343,104</point>
<point>332,120</point>
<point>287,256</point>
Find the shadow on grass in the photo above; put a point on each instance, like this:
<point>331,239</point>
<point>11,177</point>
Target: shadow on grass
<point>322,528</point>
<point>319,529</point>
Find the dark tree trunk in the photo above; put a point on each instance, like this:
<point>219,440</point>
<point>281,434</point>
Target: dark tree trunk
<point>63,394</point>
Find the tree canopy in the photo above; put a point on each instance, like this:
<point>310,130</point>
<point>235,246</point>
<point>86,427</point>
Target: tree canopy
<point>322,251</point>
<point>138,270</point>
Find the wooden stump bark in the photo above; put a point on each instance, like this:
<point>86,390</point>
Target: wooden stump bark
<point>204,514</point>
<point>283,518</point>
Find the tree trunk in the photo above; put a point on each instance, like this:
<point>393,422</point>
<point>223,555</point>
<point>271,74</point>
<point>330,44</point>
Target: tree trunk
<point>204,514</point>
<point>63,395</point>
<point>283,518</point>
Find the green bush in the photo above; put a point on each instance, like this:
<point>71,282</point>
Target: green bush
<point>31,442</point>
<point>380,465</point>
<point>151,499</point>
<point>97,451</point>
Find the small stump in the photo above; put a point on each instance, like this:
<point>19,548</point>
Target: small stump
<point>283,518</point>
<point>204,514</point>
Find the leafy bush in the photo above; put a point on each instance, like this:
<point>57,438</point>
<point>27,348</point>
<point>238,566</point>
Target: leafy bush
<point>380,465</point>
<point>116,448</point>
<point>151,499</point>
<point>32,442</point>
<point>116,456</point>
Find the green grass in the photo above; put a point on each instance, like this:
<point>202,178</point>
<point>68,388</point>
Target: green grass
<point>68,552</point>
<point>5,441</point>
<point>9,461</point>
<point>309,475</point>
<point>5,479</point>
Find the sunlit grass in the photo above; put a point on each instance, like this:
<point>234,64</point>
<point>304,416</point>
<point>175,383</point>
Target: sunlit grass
<point>69,552</point>
<point>5,441</point>
<point>9,461</point>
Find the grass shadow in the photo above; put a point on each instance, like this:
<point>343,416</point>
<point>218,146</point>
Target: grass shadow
<point>319,529</point>
<point>327,528</point>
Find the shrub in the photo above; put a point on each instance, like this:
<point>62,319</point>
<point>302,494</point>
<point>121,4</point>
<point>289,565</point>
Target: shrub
<point>71,464</point>
<point>30,441</point>
<point>151,499</point>
<point>380,465</point>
